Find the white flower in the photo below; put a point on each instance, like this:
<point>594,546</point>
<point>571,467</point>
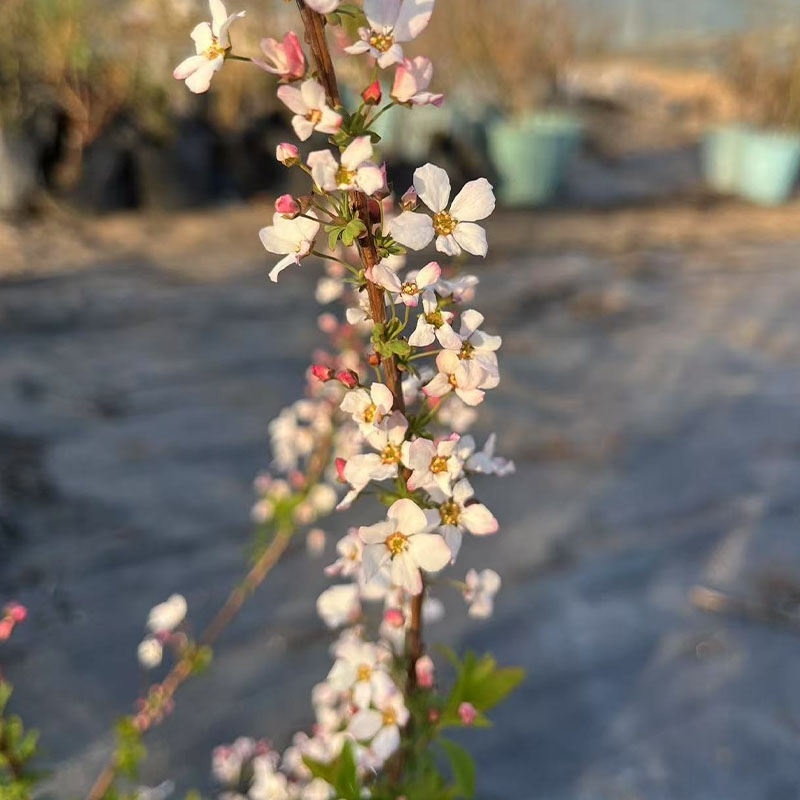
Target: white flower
<point>212,43</point>
<point>349,548</point>
<point>454,229</point>
<point>323,6</point>
<point>294,237</point>
<point>368,408</point>
<point>480,590</point>
<point>402,543</point>
<point>359,668</point>
<point>357,171</point>
<point>311,109</point>
<point>408,292</point>
<point>458,514</point>
<point>168,615</point>
<point>150,652</point>
<point>456,374</point>
<point>484,461</point>
<point>391,23</point>
<point>411,80</point>
<point>328,289</point>
<point>434,465</point>
<point>476,345</point>
<point>387,438</point>
<point>381,726</point>
<point>434,323</point>
<point>339,605</point>
<point>268,783</point>
<point>460,289</point>
<point>318,789</point>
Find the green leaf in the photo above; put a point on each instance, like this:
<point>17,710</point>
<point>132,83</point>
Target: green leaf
<point>463,767</point>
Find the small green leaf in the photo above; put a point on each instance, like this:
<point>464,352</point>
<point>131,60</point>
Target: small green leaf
<point>463,767</point>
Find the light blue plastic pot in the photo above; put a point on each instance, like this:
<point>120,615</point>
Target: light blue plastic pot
<point>769,167</point>
<point>722,154</point>
<point>531,155</point>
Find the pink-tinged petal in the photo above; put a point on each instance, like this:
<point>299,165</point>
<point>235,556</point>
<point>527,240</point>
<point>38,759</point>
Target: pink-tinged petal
<point>357,152</point>
<point>448,245</point>
<point>413,18</point>
<point>291,97</point>
<point>405,84</point>
<point>188,67</point>
<point>313,94</point>
<point>199,81</point>
<point>302,127</point>
<point>453,538</point>
<point>330,121</point>
<point>377,533</point>
<point>281,266</point>
<point>412,229</point>
<point>404,573</point>
<point>408,517</point>
<point>472,238</point>
<point>358,48</point>
<point>323,169</point>
<point>381,396</point>
<point>433,187</point>
<point>373,558</point>
<point>475,201</point>
<point>430,551</point>
<point>477,519</point>
<point>428,275</point>
<point>365,724</point>
<point>427,99</point>
<point>202,36</point>
<point>370,179</point>
<point>382,14</point>
<point>472,397</point>
<point>383,276</point>
<point>386,742</point>
<point>438,387</point>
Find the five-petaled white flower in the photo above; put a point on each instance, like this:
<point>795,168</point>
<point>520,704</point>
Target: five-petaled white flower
<point>311,109</point>
<point>455,374</point>
<point>368,407</point>
<point>454,229</point>
<point>294,237</point>
<point>458,514</point>
<point>360,668</point>
<point>402,543</point>
<point>339,605</point>
<point>479,592</point>
<point>380,726</point>
<point>434,465</point>
<point>391,23</point>
<point>408,291</point>
<point>434,323</point>
<point>212,43</point>
<point>411,80</point>
<point>478,346</point>
<point>356,171</point>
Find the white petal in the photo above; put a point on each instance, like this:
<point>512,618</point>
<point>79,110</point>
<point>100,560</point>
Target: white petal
<point>413,19</point>
<point>429,550</point>
<point>323,169</point>
<point>462,491</point>
<point>386,742</point>
<point>438,387</point>
<point>381,396</point>
<point>471,320</point>
<point>224,41</point>
<point>377,533</point>
<point>291,97</point>
<point>477,519</point>
<point>394,55</point>
<point>331,121</point>
<point>428,275</point>
<point>448,245</point>
<point>313,94</point>
<point>302,127</point>
<point>424,334</point>
<point>412,230</point>
<point>370,178</point>
<point>202,36</point>
<point>199,81</point>
<point>383,276</point>
<point>433,187</point>
<point>475,201</point>
<point>357,152</point>
<point>448,338</point>
<point>281,266</point>
<point>408,517</point>
<point>219,14</point>
<point>405,573</point>
<point>452,537</point>
<point>365,724</point>
<point>323,6</point>
<point>374,557</point>
<point>382,14</point>
<point>188,67</point>
<point>358,48</point>
<point>472,238</point>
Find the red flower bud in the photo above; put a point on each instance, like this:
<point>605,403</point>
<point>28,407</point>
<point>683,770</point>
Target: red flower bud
<point>394,617</point>
<point>347,378</point>
<point>340,465</point>
<point>17,612</point>
<point>372,94</point>
<point>322,373</point>
<point>287,205</point>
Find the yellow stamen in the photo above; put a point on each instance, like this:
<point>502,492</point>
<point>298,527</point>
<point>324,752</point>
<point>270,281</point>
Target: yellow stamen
<point>449,512</point>
<point>381,41</point>
<point>438,464</point>
<point>397,543</point>
<point>444,223</point>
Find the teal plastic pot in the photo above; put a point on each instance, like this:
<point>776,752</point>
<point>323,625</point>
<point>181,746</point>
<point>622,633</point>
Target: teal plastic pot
<point>722,154</point>
<point>769,167</point>
<point>531,155</point>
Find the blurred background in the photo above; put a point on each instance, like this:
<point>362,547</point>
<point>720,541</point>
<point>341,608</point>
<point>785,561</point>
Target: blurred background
<point>642,272</point>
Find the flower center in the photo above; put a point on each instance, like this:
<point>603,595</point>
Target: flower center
<point>390,454</point>
<point>438,464</point>
<point>389,716</point>
<point>215,50</point>
<point>370,412</point>
<point>444,223</point>
<point>381,41</point>
<point>364,672</point>
<point>345,177</point>
<point>467,350</point>
<point>410,288</point>
<point>314,116</point>
<point>449,512</point>
<point>397,543</point>
<point>453,382</point>
<point>435,318</point>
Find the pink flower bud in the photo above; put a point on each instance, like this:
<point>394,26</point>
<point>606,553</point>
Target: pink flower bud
<point>372,94</point>
<point>17,612</point>
<point>394,617</point>
<point>410,200</point>
<point>328,323</point>
<point>287,205</point>
<point>347,378</point>
<point>6,627</point>
<point>425,672</point>
<point>340,465</point>
<point>434,716</point>
<point>287,154</point>
<point>284,59</point>
<point>467,713</point>
<point>322,373</point>
<point>297,479</point>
